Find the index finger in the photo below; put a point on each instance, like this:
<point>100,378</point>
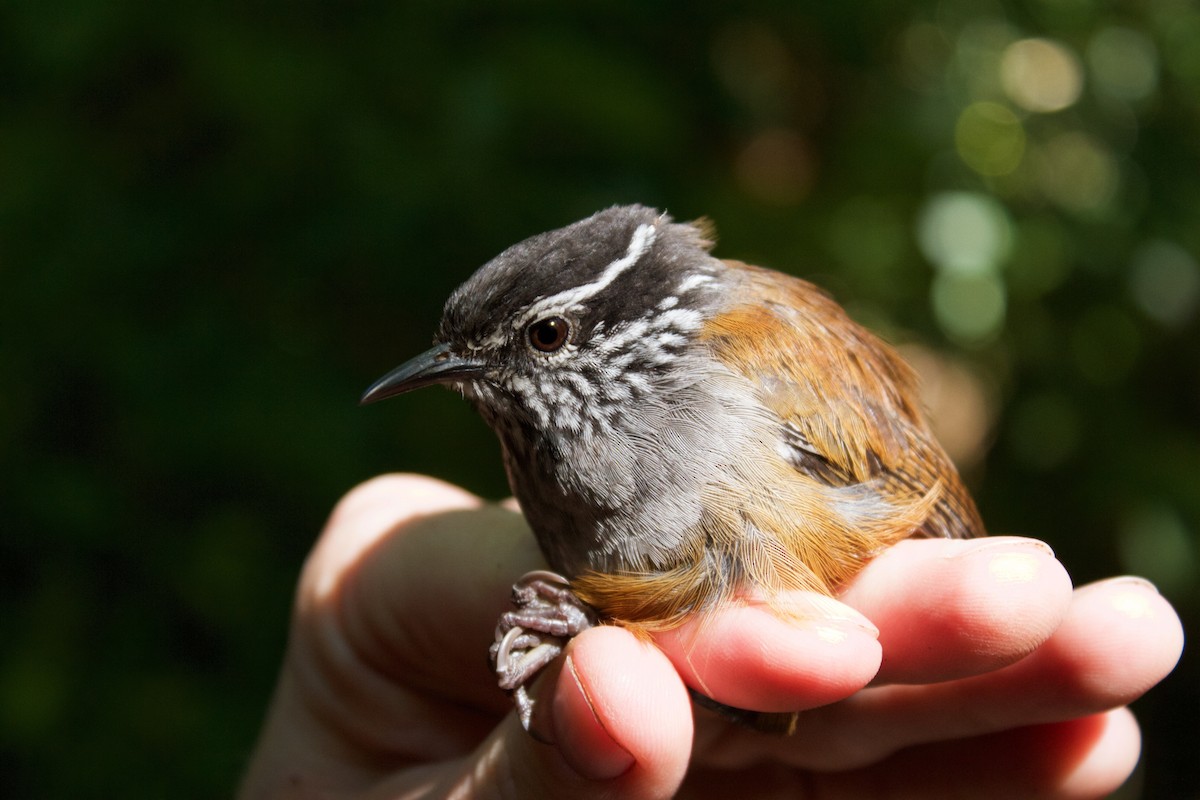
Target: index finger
<point>750,656</point>
<point>413,573</point>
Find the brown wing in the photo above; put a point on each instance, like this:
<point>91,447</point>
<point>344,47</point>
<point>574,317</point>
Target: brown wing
<point>848,402</point>
<point>856,470</point>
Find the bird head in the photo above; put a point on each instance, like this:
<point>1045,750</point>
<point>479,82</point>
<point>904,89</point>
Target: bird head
<point>560,332</point>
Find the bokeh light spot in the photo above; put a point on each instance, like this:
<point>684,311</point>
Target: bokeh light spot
<point>1041,75</point>
<point>1153,541</point>
<point>989,138</point>
<point>1124,63</point>
<point>1164,280</point>
<point>969,308</point>
<point>967,233</point>
<point>961,409</point>
<point>1077,173</point>
<point>776,166</point>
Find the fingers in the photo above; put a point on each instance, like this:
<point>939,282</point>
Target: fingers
<point>423,608</point>
<point>1082,758</point>
<point>1118,638</point>
<point>1086,758</point>
<point>945,609</point>
<point>395,610</point>
<point>614,720</point>
<point>949,608</point>
<point>751,657</point>
<point>620,711</point>
<point>387,655</point>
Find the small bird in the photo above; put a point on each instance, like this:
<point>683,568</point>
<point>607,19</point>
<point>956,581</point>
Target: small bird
<point>680,431</point>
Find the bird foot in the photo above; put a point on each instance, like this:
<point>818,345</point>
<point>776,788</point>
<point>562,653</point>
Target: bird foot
<point>528,638</point>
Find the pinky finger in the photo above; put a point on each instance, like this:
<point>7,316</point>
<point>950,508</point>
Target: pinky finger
<point>1088,757</point>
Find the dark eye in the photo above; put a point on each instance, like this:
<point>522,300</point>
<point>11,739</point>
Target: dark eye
<point>549,334</point>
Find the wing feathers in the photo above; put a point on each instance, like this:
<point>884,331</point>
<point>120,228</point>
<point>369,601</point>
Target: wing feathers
<point>848,403</point>
<point>856,468</point>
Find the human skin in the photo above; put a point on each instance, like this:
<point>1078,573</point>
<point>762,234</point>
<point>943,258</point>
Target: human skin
<point>947,668</point>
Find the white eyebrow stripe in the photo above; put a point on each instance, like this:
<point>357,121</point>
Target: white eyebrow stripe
<point>641,241</point>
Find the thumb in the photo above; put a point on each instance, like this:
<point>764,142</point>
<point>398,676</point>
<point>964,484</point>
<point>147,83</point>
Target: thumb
<point>612,719</point>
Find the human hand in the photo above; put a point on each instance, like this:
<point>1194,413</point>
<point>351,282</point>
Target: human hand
<point>988,676</point>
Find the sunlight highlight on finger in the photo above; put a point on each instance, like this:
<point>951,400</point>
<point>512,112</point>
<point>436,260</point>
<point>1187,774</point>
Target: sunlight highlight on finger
<point>1014,568</point>
<point>368,512</point>
<point>953,608</point>
<point>752,657</point>
<point>1118,639</point>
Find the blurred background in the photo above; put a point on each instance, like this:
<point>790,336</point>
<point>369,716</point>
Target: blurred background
<point>221,221</point>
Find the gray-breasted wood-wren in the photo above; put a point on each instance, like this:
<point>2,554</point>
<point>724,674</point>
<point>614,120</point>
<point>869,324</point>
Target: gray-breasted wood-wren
<point>680,431</point>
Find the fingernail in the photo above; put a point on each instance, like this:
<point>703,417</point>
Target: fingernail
<point>837,629</point>
<point>1134,605</point>
<point>1133,581</point>
<point>1014,567</point>
<point>1010,559</point>
<point>830,634</point>
<point>835,620</point>
<point>582,738</point>
<point>1130,597</point>
<point>969,547</point>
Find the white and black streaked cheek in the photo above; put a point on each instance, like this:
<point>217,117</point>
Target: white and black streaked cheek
<point>493,404</point>
<point>583,389</point>
<point>531,395</point>
<point>474,390</point>
<point>553,400</point>
<point>588,390</point>
<point>647,346</point>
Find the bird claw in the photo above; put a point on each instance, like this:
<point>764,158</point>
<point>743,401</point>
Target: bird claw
<point>546,616</point>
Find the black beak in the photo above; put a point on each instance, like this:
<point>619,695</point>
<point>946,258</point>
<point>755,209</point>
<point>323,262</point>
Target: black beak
<point>437,365</point>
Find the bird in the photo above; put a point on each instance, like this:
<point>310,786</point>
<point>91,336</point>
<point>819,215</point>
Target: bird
<point>680,431</point>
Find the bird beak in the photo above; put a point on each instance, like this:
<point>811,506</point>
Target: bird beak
<point>437,365</point>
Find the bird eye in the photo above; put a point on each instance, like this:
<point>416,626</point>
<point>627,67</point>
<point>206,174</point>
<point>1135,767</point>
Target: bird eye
<point>549,334</point>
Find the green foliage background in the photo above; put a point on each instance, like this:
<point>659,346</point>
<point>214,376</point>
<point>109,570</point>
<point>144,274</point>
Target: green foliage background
<point>219,221</point>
